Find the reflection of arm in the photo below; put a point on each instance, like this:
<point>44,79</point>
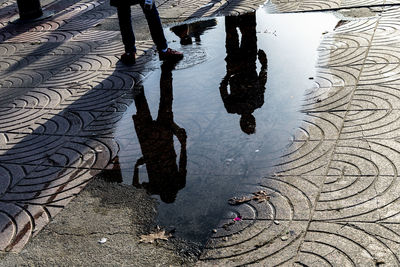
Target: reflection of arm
<point>223,87</point>
<point>180,133</point>
<point>135,180</point>
<point>262,76</point>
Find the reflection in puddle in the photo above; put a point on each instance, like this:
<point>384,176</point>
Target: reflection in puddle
<point>199,132</point>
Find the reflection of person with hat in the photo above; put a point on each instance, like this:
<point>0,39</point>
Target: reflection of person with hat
<point>156,138</point>
<point>246,86</point>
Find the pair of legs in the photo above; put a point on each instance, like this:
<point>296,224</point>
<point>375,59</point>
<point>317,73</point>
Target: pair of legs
<point>155,26</point>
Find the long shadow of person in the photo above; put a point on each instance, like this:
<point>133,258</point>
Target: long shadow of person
<point>156,138</point>
<point>246,86</point>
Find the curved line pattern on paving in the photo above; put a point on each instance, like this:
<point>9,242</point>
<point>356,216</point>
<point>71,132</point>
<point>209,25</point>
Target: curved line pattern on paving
<point>333,192</point>
<point>335,189</point>
<point>49,137</point>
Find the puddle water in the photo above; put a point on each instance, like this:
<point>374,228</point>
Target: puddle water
<point>222,115</point>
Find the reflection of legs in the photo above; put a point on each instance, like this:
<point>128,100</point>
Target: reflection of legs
<point>125,25</point>
<point>248,46</point>
<point>155,26</point>
<point>165,115</point>
<point>232,37</point>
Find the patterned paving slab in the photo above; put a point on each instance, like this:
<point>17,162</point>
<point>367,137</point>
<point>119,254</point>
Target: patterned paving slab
<point>345,190</point>
<point>333,192</point>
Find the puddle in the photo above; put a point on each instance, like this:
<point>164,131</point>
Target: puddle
<point>223,115</point>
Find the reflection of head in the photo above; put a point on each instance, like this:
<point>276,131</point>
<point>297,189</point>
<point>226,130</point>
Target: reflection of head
<point>248,123</point>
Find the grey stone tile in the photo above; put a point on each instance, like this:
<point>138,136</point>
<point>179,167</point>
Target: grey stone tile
<point>366,157</point>
<point>337,76</point>
<point>365,25</point>
<point>380,74</point>
<point>376,97</point>
<point>342,56</point>
<point>24,78</point>
<point>345,40</point>
<point>308,5</point>
<point>357,198</point>
<point>349,244</point>
<point>33,97</point>
<point>300,158</point>
<point>327,99</point>
<point>255,242</point>
<point>383,55</point>
<point>281,6</point>
<point>382,124</point>
<point>320,126</point>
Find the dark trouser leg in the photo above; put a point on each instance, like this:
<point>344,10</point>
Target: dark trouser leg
<point>155,26</point>
<point>125,25</point>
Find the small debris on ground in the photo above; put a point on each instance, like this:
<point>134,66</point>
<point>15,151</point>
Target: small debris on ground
<point>102,241</point>
<point>284,237</point>
<point>260,196</point>
<point>157,235</point>
<point>239,200</point>
<point>238,218</point>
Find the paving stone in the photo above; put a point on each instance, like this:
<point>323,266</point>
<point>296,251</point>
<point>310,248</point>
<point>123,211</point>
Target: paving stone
<point>360,25</point>
<point>342,57</point>
<point>255,242</point>
<point>376,97</point>
<point>366,157</point>
<point>357,198</point>
<point>308,5</point>
<point>300,158</point>
<point>24,78</point>
<point>382,124</point>
<point>345,41</point>
<point>327,99</point>
<point>355,3</point>
<point>349,244</point>
<point>34,98</point>
<point>320,126</point>
<point>383,55</point>
<point>281,6</point>
<point>291,198</point>
<point>380,74</point>
<point>92,79</point>
<point>337,76</point>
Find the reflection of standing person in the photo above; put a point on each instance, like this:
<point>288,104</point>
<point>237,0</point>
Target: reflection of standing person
<point>156,138</point>
<point>246,86</point>
<point>155,26</point>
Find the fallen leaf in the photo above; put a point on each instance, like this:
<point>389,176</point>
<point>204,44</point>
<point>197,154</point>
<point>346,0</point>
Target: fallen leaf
<point>158,235</point>
<point>239,200</point>
<point>260,196</point>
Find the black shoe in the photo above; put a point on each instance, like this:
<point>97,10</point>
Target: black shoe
<point>128,58</point>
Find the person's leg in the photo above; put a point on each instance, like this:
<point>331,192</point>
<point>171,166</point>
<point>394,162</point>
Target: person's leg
<point>125,25</point>
<point>155,26</point>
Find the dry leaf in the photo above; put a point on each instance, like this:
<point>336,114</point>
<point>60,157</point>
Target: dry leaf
<point>239,200</point>
<point>159,235</point>
<point>261,196</point>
